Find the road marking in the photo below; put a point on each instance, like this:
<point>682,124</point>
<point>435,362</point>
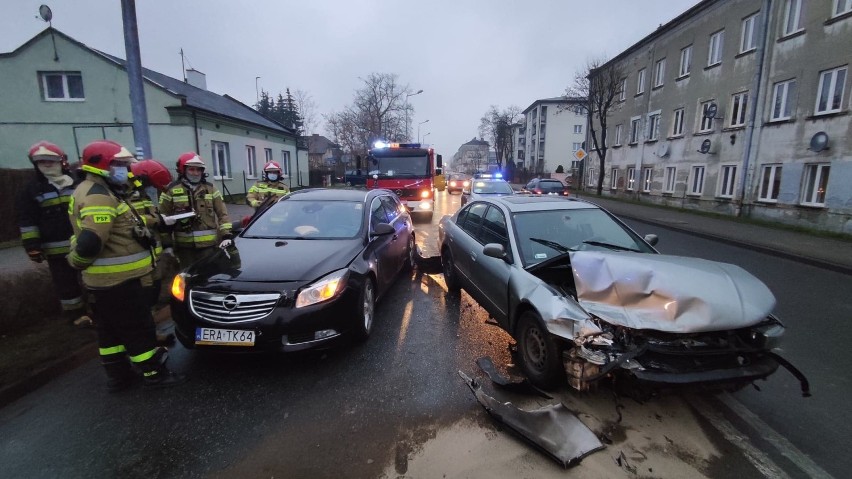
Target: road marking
<point>785,447</point>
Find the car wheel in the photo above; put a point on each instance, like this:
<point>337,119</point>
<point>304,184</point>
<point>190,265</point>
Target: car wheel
<point>366,311</point>
<point>449,268</point>
<point>412,254</point>
<point>540,353</point>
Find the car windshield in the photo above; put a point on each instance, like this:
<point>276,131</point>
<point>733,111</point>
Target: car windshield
<point>292,219</point>
<point>400,166</point>
<point>492,187</point>
<point>574,229</point>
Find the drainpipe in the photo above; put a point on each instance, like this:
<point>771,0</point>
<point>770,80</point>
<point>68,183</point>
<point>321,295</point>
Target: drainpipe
<point>639,177</point>
<point>758,102</point>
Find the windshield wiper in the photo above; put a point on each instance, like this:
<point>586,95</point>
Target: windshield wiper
<point>552,244</point>
<point>611,246</point>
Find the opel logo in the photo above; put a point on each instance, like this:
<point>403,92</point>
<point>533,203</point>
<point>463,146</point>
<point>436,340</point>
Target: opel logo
<point>398,192</point>
<point>230,302</point>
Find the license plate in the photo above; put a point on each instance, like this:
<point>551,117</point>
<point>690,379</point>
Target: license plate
<point>224,337</point>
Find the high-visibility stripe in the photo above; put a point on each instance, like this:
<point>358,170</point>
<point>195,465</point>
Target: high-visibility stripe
<point>56,244</point>
<point>56,247</point>
<point>194,234</point>
<point>112,350</point>
<point>46,196</point>
<point>225,227</point>
<point>98,210</point>
<point>176,199</point>
<point>120,264</point>
<point>122,208</point>
<point>208,196</point>
<point>217,194</point>
<point>165,196</point>
<point>79,261</point>
<point>120,259</point>
<point>55,201</point>
<point>72,304</point>
<point>143,357</point>
<point>30,232</point>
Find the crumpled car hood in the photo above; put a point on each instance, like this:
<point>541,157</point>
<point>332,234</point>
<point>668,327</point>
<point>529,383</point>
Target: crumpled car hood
<point>668,293</point>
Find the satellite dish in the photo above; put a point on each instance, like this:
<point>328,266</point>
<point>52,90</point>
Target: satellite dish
<point>711,110</point>
<point>705,147</point>
<point>45,13</point>
<point>819,142</point>
<point>663,149</point>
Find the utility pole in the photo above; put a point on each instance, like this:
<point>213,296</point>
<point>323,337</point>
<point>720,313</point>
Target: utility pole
<point>138,107</point>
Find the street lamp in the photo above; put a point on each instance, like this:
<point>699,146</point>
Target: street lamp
<point>406,112</point>
<point>427,134</point>
<point>418,129</point>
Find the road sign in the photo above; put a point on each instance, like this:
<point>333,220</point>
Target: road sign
<point>580,154</point>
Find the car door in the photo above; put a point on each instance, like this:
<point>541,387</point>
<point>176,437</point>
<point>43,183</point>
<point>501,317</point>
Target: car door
<point>398,218</point>
<point>490,276</point>
<point>465,245</point>
<point>382,247</point>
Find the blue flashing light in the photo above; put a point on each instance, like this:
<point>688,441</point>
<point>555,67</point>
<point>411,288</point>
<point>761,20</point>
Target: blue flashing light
<point>498,175</point>
<point>380,144</point>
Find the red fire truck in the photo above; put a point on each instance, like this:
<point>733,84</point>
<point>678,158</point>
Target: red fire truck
<point>407,169</point>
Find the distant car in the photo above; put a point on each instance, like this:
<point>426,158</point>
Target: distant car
<point>546,186</point>
<point>585,297</point>
<point>457,182</point>
<point>354,178</point>
<point>306,272</point>
<point>485,187</point>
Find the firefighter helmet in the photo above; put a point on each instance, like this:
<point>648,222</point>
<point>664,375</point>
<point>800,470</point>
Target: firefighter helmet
<point>97,156</point>
<point>271,166</point>
<point>190,158</point>
<point>46,150</point>
<point>152,173</point>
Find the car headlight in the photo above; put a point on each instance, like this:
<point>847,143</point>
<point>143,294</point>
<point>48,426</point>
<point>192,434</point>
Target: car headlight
<point>327,287</point>
<point>179,287</point>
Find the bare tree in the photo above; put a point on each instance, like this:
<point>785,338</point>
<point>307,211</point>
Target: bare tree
<point>307,109</point>
<point>496,126</point>
<point>600,86</point>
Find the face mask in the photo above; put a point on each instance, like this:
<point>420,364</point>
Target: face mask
<point>272,177</point>
<point>193,178</point>
<point>52,169</point>
<point>118,174</point>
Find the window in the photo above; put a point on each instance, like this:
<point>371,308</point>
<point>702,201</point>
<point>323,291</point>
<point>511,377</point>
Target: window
<point>631,178</point>
<point>473,218</point>
<point>659,73</point>
<point>62,86</point>
<point>739,105</point>
<point>706,120</point>
<point>640,82</point>
<point>653,125</point>
<point>816,180</point>
<point>770,183</point>
<point>618,129</point>
<point>634,129</point>
<point>251,162</point>
<point>677,123</point>
<point>613,179</point>
<point>727,181</point>
<point>647,176</point>
<point>494,229</point>
<point>685,61</point>
<point>592,177</point>
<point>576,146</point>
<point>670,179</point>
<point>749,40</point>
<point>285,162</point>
<point>830,95</point>
<point>841,7</point>
<point>267,152</point>
<point>783,97</point>
<point>221,160</point>
<point>696,184</point>
<point>622,89</point>
<point>792,17</point>
<point>714,56</point>
<point>578,129</point>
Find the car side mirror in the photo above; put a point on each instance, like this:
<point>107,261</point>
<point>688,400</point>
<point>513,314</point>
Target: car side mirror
<point>237,227</point>
<point>382,229</point>
<point>651,239</point>
<point>496,250</point>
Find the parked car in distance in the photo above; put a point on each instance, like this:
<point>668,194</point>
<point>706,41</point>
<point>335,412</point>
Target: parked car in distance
<point>484,187</point>
<point>456,182</point>
<point>585,297</point>
<point>353,178</point>
<point>546,186</point>
<point>304,273</point>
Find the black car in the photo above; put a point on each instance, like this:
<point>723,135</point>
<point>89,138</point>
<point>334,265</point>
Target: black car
<point>546,186</point>
<point>304,273</point>
<point>354,178</point>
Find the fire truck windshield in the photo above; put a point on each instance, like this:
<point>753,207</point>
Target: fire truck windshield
<point>400,166</point>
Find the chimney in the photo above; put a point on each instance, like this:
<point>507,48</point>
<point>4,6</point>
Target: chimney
<point>196,78</point>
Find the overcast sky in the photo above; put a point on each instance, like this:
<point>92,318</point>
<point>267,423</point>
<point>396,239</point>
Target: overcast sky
<point>464,55</point>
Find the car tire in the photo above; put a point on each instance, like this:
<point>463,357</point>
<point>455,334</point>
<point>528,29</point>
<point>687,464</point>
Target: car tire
<point>539,354</point>
<point>411,262</point>
<point>366,311</point>
<point>449,268</point>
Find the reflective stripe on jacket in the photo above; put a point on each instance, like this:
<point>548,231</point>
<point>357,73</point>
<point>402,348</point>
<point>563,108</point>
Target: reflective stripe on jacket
<point>210,222</point>
<point>263,190</point>
<point>43,217</point>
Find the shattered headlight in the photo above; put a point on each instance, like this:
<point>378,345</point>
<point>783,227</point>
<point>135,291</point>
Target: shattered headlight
<point>767,335</point>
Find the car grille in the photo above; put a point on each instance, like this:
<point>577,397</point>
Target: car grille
<point>230,307</point>
<point>406,192</point>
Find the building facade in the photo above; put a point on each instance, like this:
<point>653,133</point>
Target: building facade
<point>472,157</point>
<point>549,133</point>
<point>740,107</point>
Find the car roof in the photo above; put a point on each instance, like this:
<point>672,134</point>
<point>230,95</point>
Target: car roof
<point>345,194</point>
<point>490,180</point>
<point>522,203</point>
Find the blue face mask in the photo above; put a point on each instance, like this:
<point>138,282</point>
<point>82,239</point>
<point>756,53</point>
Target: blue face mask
<point>272,176</point>
<point>118,174</point>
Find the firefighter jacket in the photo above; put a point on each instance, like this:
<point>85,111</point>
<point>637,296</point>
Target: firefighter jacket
<point>43,217</point>
<point>210,223</point>
<point>109,243</point>
<point>264,190</point>
<point>149,212</point>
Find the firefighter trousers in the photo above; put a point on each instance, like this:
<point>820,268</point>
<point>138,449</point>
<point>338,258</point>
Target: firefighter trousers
<point>124,325</point>
<point>66,283</point>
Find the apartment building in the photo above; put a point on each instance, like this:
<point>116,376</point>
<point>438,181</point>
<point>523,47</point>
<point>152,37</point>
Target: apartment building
<point>740,107</point>
<point>472,157</point>
<point>551,130</point>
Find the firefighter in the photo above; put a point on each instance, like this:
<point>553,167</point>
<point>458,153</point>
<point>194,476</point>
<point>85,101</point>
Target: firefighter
<point>270,187</point>
<point>45,229</point>
<point>114,250</point>
<point>196,236</point>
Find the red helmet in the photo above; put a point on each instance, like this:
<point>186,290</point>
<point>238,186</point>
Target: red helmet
<point>97,156</point>
<point>190,158</point>
<point>272,166</point>
<point>153,173</point>
<point>47,149</point>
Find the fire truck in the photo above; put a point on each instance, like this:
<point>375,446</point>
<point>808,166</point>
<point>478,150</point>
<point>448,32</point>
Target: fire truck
<point>407,169</point>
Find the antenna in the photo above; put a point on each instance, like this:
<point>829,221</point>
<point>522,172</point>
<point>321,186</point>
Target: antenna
<point>182,66</point>
<point>46,14</point>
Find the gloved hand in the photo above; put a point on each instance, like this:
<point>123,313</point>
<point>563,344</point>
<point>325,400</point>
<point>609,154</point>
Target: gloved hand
<point>226,243</point>
<point>36,255</point>
<point>166,220</point>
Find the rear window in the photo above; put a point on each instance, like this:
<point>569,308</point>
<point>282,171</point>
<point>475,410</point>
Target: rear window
<point>551,185</point>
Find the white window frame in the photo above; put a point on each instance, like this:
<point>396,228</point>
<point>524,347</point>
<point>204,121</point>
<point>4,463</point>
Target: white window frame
<point>578,129</point>
<point>659,73</point>
<point>792,21</point>
<point>677,121</point>
<point>575,146</point>
<point>653,125</point>
<point>221,148</point>
<point>647,178</point>
<point>251,162</point>
<point>285,162</point>
<point>635,130</point>
<point>748,42</point>
<point>622,94</point>
<point>727,181</point>
<point>715,46</point>
<point>66,90</point>
<point>613,179</point>
<point>685,61</point>
<point>739,109</point>
<point>631,178</point>
<point>841,7</point>
<point>696,180</point>
<point>815,184</point>
<point>618,131</point>
<point>267,153</point>
<point>834,77</point>
<point>770,182</point>
<point>640,82</point>
<point>705,125</point>
<point>591,177</point>
<point>783,100</point>
<point>670,179</point>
